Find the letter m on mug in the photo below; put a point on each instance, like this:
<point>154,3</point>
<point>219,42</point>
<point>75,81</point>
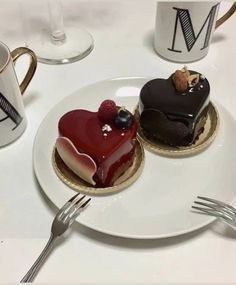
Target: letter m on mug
<point>194,31</point>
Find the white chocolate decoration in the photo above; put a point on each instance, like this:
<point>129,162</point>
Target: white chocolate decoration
<point>80,163</point>
<point>106,128</point>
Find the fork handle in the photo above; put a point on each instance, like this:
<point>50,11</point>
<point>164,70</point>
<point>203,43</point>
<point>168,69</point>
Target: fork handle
<point>29,276</point>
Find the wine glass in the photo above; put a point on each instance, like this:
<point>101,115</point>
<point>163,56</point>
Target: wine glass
<point>58,46</point>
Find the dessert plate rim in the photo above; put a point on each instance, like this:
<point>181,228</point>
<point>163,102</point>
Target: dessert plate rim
<point>137,212</point>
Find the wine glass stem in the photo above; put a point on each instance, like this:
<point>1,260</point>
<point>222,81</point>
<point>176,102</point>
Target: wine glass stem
<point>58,35</point>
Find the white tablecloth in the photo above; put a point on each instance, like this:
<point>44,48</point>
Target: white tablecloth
<point>123,34</point>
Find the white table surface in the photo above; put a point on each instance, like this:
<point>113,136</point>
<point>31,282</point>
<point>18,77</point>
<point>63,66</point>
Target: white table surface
<point>123,33</point>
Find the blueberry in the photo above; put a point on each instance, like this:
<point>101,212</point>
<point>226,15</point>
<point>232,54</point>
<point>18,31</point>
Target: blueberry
<point>123,120</point>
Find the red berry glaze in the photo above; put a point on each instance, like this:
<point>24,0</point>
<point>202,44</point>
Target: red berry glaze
<point>113,152</point>
<point>107,111</point>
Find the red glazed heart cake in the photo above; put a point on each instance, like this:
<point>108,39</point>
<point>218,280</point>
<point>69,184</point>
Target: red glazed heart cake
<point>97,146</point>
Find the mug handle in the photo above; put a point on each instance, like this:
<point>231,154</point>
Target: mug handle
<point>226,16</point>
<point>16,53</point>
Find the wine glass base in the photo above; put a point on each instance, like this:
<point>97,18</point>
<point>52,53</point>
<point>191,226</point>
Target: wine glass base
<point>77,45</point>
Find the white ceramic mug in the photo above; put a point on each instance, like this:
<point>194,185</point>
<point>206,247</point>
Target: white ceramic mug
<point>12,115</point>
<point>183,30</point>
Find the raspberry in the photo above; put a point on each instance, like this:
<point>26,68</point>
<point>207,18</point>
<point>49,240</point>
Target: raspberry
<point>107,111</point>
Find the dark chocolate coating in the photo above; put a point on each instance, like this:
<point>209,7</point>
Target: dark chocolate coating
<point>172,116</point>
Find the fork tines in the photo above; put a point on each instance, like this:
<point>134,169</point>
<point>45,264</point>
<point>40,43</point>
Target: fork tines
<point>85,203</point>
<point>216,208</point>
<point>75,201</point>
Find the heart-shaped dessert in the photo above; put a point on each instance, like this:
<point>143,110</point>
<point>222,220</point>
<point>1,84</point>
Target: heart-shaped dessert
<point>174,110</point>
<point>97,146</point>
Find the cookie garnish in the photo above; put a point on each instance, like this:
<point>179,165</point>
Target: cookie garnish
<point>183,80</point>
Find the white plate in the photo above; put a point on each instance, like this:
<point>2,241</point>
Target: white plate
<point>159,203</point>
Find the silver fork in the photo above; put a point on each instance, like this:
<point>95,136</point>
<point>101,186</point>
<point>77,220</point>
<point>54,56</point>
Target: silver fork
<point>62,221</point>
<point>218,209</point>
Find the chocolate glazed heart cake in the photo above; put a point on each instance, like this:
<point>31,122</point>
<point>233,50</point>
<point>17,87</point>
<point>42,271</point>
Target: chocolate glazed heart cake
<point>97,146</point>
<point>174,110</point>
